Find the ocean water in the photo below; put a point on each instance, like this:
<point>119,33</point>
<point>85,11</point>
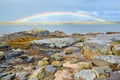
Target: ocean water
<point>67,28</point>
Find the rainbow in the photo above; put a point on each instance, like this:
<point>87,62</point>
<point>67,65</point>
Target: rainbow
<point>56,13</point>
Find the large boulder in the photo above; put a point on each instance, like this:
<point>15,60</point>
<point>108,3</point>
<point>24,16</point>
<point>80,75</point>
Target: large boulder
<point>55,42</point>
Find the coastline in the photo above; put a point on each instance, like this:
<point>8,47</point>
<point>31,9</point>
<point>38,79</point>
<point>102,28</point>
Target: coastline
<point>41,54</point>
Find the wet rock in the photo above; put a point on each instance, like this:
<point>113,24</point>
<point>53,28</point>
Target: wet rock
<point>14,54</point>
<point>2,55</point>
<point>85,75</point>
<point>57,42</point>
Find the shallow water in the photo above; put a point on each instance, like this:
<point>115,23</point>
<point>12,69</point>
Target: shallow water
<point>67,28</point>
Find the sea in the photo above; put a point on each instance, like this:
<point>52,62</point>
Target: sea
<point>67,28</point>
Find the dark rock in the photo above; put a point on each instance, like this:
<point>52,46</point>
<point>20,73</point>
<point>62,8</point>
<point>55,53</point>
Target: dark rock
<point>9,77</point>
<point>14,54</point>
<point>3,74</point>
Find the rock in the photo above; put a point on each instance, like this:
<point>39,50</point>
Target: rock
<point>102,70</point>
<point>99,63</point>
<point>73,61</point>
<point>42,63</point>
<point>2,75</point>
<point>116,50</point>
<point>10,76</point>
<point>71,50</point>
<point>2,55</point>
<point>22,76</point>
<point>57,56</point>
<point>57,63</point>
<point>114,76</point>
<point>4,65</point>
<point>42,73</point>
<point>39,32</point>
<point>14,54</point>
<point>85,75</point>
<point>108,37</point>
<point>4,46</point>
<point>109,58</point>
<point>58,34</point>
<point>85,65</point>
<point>57,42</point>
<point>50,69</point>
<point>37,74</point>
<point>63,75</point>
<point>67,64</point>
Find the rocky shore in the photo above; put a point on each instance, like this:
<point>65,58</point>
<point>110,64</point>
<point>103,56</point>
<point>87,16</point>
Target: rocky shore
<point>38,54</point>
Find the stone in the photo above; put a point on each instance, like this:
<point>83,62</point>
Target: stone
<point>4,46</point>
<point>57,63</point>
<point>37,74</point>
<point>57,42</point>
<point>114,76</point>
<point>85,65</point>
<point>85,75</point>
<point>63,75</point>
<point>2,55</point>
<point>42,63</point>
<point>22,76</point>
<point>42,73</point>
<point>71,50</point>
<point>58,34</point>
<point>50,69</point>
<point>116,49</point>
<point>109,58</point>
<point>10,76</point>
<point>99,63</point>
<point>39,32</point>
<point>102,70</point>
<point>14,54</point>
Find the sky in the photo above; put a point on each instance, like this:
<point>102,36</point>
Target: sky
<point>11,10</point>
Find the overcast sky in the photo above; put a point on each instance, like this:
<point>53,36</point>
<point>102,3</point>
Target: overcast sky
<point>11,10</point>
